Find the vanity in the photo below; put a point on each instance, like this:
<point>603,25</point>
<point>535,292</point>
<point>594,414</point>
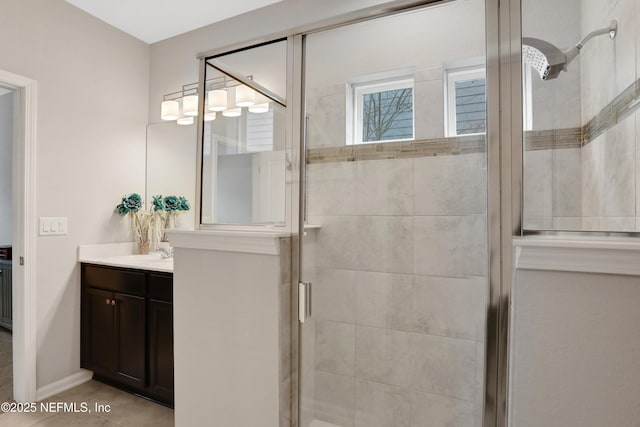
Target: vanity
<point>127,322</point>
<point>6,288</point>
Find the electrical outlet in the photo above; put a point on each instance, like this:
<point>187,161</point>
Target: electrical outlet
<point>53,226</point>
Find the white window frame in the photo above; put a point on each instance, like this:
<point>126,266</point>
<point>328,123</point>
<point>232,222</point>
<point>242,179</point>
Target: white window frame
<point>451,77</point>
<point>359,90</point>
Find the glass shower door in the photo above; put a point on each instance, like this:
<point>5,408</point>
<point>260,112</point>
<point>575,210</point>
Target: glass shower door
<point>395,244</point>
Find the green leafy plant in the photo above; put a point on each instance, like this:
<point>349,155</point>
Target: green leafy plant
<point>165,212</point>
<point>141,220</point>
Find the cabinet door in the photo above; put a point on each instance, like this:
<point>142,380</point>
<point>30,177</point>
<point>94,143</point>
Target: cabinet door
<point>161,350</point>
<point>130,340</point>
<point>97,331</point>
<point>5,295</point>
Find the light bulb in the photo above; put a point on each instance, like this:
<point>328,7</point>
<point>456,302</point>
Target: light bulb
<point>232,112</point>
<point>217,100</point>
<point>259,108</point>
<point>245,96</point>
<point>185,120</point>
<point>169,110</point>
<point>190,105</point>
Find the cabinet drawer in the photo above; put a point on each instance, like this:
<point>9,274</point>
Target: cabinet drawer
<point>113,279</point>
<point>160,287</point>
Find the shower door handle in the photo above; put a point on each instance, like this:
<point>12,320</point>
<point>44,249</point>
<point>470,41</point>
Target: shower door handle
<point>304,301</point>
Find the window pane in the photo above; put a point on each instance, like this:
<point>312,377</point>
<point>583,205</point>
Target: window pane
<point>470,106</point>
<point>387,115</point>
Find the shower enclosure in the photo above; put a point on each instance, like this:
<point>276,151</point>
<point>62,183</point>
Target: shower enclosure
<point>375,157</point>
<point>395,207</point>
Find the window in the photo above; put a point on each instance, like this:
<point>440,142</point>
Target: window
<point>382,111</point>
<point>466,109</point>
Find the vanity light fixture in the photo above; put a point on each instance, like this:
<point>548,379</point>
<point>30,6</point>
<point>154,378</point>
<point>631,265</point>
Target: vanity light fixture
<point>217,100</point>
<point>190,105</point>
<point>232,112</point>
<point>186,120</point>
<point>169,110</point>
<point>259,108</point>
<point>245,96</point>
<point>223,94</point>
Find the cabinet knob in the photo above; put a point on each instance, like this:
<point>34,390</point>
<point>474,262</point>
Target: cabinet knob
<point>113,302</point>
<point>108,301</point>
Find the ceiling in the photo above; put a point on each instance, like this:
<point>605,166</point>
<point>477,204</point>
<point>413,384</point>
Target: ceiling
<point>155,20</point>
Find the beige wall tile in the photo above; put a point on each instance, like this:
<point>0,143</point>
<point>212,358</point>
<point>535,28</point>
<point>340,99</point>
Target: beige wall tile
<point>592,172</point>
<point>384,187</point>
<point>381,405</point>
<point>383,355</point>
<point>338,242</point>
<point>619,170</point>
<point>453,246</point>
<point>326,125</point>
<point>432,410</point>
<point>335,399</point>
<point>384,300</point>
<point>450,307</point>
<point>450,185</point>
<point>335,347</point>
<point>567,182</point>
<point>479,396</point>
<point>538,183</point>
<point>385,244</point>
<point>334,295</point>
<point>429,109</point>
<point>443,366</point>
<point>331,188</point>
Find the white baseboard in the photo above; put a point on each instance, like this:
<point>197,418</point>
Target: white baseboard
<point>63,384</point>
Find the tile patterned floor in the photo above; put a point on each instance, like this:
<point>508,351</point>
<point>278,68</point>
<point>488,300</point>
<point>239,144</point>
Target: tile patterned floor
<point>127,410</point>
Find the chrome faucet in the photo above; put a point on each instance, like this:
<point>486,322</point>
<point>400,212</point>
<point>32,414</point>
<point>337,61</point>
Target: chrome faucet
<point>166,251</point>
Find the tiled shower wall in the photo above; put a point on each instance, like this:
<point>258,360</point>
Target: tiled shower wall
<point>592,185</point>
<point>610,169</point>
<point>400,290</point>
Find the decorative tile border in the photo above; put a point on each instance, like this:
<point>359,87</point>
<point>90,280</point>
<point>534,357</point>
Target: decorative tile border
<point>617,110</point>
<point>553,139</point>
<point>399,150</point>
<point>613,113</point>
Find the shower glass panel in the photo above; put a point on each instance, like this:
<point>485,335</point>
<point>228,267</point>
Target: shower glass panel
<point>243,146</point>
<point>581,95</point>
<point>396,225</point>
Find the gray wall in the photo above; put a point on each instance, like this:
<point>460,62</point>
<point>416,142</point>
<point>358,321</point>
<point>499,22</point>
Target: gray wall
<point>92,113</point>
<point>6,153</point>
<point>574,350</point>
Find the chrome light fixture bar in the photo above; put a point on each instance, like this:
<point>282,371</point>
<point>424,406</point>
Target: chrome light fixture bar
<point>222,90</point>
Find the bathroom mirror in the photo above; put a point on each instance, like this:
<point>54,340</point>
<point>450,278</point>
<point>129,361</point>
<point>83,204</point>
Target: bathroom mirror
<point>580,112</point>
<point>243,144</point>
<point>171,165</point>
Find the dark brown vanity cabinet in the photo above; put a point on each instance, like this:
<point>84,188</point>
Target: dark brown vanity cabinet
<point>127,329</point>
<point>5,294</point>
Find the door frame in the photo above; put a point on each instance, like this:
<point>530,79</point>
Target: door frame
<point>24,236</point>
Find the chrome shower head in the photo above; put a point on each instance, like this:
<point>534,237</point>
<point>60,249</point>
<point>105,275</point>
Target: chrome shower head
<point>544,57</point>
<point>548,60</point>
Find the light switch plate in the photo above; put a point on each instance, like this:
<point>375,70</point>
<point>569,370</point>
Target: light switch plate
<point>50,226</point>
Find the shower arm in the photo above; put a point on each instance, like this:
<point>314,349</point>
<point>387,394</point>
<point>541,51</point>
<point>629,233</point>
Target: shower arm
<point>612,30</point>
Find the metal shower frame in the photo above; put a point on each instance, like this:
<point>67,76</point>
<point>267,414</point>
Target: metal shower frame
<point>504,152</point>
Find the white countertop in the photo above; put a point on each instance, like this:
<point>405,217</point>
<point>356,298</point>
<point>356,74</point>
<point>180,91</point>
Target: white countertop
<point>123,255</point>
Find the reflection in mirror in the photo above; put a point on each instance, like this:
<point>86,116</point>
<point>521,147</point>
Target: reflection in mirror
<point>580,105</point>
<point>171,164</point>
<point>243,146</point>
